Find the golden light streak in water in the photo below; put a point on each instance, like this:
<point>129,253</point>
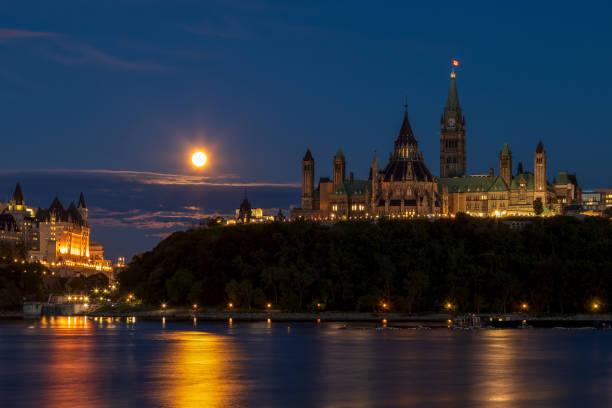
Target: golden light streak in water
<point>70,362</point>
<point>199,370</point>
<point>504,377</point>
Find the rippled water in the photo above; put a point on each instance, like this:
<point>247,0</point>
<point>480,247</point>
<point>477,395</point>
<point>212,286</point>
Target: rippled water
<point>81,362</point>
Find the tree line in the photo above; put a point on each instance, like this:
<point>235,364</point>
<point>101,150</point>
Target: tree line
<point>21,280</point>
<point>553,265</point>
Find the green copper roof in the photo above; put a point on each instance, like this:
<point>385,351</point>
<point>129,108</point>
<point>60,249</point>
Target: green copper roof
<point>526,177</point>
<point>562,178</point>
<point>339,155</point>
<point>452,102</point>
<point>505,149</point>
<point>357,187</point>
<point>472,184</point>
<point>498,184</point>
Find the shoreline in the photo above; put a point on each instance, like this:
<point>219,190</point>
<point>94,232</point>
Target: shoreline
<point>432,319</point>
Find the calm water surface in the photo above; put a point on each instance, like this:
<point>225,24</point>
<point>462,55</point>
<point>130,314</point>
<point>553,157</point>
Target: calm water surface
<point>82,362</point>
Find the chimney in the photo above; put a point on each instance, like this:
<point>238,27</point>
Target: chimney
<point>351,177</point>
<point>491,174</point>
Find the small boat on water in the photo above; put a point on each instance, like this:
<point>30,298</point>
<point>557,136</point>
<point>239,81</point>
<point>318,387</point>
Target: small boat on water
<point>467,322</point>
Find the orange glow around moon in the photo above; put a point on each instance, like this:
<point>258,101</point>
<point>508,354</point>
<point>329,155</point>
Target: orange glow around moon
<point>199,159</point>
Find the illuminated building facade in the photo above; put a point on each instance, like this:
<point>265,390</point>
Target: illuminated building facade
<point>406,188</point>
<point>56,236</point>
<point>246,214</point>
<point>491,195</point>
<point>403,188</point>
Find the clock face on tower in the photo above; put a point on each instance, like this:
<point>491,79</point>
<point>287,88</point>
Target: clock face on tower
<point>451,122</point>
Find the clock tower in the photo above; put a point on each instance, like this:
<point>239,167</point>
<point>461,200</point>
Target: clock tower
<point>452,135</point>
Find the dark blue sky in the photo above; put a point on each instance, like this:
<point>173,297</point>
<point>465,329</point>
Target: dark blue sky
<point>136,85</point>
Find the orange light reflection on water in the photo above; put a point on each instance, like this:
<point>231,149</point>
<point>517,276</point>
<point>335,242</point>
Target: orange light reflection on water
<point>70,361</point>
<point>199,370</point>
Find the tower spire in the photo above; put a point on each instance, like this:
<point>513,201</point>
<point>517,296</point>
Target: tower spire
<point>452,101</point>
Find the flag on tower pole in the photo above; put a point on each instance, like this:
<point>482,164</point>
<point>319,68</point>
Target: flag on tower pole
<point>455,63</point>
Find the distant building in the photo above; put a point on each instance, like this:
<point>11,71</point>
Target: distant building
<point>508,193</point>
<point>245,214</point>
<point>567,190</point>
<point>595,201</point>
<point>55,236</point>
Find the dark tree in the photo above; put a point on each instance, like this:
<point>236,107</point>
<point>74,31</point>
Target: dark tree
<point>538,207</point>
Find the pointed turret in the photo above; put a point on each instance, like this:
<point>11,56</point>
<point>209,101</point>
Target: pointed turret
<point>374,169</point>
<point>339,168</point>
<point>17,196</point>
<point>82,201</point>
<point>505,149</point>
<point>82,207</point>
<point>308,156</point>
<point>540,147</point>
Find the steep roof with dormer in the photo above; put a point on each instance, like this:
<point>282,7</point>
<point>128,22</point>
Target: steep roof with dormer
<point>526,178</point>
<point>356,187</point>
<point>472,184</point>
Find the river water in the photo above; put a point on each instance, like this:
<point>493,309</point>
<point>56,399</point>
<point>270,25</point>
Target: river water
<point>82,362</point>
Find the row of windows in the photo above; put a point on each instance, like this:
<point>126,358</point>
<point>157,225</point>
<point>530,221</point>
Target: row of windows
<point>354,207</point>
<point>451,144</point>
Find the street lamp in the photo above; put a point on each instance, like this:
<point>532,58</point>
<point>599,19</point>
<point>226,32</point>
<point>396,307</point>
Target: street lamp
<point>268,305</point>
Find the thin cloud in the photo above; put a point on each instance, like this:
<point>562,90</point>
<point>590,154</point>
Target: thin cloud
<point>11,34</point>
<point>60,48</point>
<point>73,53</point>
<point>147,177</point>
<point>150,220</point>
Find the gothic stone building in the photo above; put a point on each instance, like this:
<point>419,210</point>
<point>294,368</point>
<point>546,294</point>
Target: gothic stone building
<point>403,188</point>
<point>406,188</point>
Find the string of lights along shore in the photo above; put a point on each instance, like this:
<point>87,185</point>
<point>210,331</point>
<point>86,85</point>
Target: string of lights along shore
<point>403,187</point>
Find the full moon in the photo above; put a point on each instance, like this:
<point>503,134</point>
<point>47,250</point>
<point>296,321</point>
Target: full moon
<point>199,159</point>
